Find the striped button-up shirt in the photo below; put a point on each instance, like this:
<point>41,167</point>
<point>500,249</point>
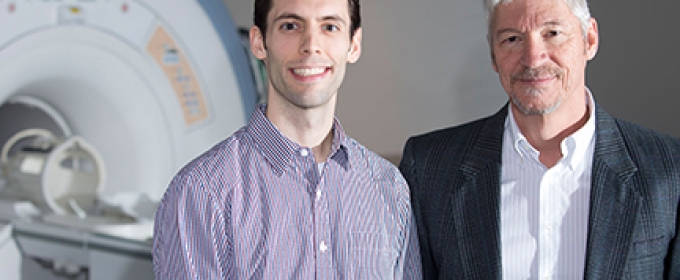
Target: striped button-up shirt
<point>258,206</point>
<point>544,211</point>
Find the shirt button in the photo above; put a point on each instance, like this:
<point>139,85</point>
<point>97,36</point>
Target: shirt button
<point>304,152</point>
<point>318,194</point>
<point>323,247</point>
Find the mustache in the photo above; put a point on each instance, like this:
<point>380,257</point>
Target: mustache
<point>531,73</point>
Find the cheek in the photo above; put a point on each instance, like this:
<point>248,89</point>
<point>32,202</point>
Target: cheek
<point>572,55</point>
<point>572,64</point>
<point>506,70</point>
<point>341,54</point>
<point>505,62</point>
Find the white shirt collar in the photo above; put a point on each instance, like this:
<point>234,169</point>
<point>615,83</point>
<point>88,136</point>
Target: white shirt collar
<point>574,147</point>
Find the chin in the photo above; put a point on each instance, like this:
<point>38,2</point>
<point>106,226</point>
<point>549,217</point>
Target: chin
<point>535,110</point>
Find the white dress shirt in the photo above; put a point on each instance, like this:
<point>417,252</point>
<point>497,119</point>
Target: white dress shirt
<point>544,211</point>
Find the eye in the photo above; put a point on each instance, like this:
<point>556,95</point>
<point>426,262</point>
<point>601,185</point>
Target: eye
<point>289,26</point>
<point>553,33</point>
<point>331,27</point>
<point>510,40</point>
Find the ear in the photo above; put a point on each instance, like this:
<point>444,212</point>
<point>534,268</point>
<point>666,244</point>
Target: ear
<point>257,46</point>
<point>493,61</point>
<point>489,40</point>
<point>355,47</point>
<point>592,39</point>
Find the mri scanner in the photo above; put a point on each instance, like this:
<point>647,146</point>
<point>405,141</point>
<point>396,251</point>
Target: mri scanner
<point>101,102</point>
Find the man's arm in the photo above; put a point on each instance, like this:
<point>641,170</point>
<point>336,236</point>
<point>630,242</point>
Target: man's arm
<point>407,168</point>
<point>673,257</point>
<point>191,236</point>
<point>412,265</point>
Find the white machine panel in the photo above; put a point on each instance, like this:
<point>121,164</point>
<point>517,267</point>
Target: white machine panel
<point>10,257</point>
<point>145,86</point>
<point>111,53</point>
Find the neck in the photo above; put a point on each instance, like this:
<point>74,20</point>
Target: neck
<point>310,128</point>
<point>546,132</point>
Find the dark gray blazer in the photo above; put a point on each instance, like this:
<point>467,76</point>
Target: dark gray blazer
<point>454,175</point>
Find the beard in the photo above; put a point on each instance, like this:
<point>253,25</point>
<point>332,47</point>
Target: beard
<point>532,110</point>
<point>535,73</point>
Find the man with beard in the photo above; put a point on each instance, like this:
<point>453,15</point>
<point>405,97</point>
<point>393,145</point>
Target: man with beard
<point>551,186</point>
<point>290,195</point>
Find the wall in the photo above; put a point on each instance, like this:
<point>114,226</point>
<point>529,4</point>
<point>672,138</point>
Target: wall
<point>426,66</point>
<point>636,74</point>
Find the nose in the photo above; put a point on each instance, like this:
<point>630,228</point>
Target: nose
<point>311,43</point>
<point>534,52</point>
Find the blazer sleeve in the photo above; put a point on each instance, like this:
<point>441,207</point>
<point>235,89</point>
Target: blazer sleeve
<point>673,257</point>
<point>408,169</point>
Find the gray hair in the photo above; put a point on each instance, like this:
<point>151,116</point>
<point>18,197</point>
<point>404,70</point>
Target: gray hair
<point>578,7</point>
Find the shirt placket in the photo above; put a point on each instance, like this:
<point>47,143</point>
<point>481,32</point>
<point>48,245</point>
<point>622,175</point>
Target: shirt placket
<point>322,228</point>
<point>321,236</point>
<point>551,213</point>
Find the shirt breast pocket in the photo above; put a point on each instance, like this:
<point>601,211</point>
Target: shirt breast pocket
<point>373,255</point>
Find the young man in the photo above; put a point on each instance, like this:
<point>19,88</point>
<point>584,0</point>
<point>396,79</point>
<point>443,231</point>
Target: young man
<point>290,196</point>
<point>551,186</point>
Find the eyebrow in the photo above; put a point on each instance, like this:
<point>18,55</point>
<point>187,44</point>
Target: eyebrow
<point>551,23</point>
<point>300,18</point>
<point>288,16</point>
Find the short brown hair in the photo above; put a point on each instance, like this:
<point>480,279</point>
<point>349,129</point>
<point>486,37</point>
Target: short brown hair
<point>263,7</point>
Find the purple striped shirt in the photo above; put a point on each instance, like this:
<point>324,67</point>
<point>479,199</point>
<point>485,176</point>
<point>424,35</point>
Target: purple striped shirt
<point>257,206</point>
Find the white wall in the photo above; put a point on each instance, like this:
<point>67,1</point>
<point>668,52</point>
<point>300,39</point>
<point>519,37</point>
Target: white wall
<point>426,66</point>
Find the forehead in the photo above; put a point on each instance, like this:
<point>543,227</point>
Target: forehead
<point>310,9</point>
<point>532,13</point>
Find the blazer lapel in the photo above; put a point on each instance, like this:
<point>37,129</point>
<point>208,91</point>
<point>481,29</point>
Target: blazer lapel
<point>476,202</point>
<point>613,202</point>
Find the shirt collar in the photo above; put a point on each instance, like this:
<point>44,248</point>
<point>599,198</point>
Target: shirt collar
<point>574,147</point>
<point>280,151</point>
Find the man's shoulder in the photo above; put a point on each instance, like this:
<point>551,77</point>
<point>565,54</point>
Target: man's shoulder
<point>364,158</point>
<point>636,132</point>
<point>214,159</point>
<point>638,135</point>
<point>362,153</point>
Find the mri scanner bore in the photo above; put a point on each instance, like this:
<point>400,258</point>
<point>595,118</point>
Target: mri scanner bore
<point>101,102</point>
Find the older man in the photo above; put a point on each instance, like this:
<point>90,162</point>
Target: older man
<point>551,186</point>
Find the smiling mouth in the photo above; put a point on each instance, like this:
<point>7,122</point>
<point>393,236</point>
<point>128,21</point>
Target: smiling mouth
<point>310,72</point>
<point>536,80</point>
<point>538,75</point>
